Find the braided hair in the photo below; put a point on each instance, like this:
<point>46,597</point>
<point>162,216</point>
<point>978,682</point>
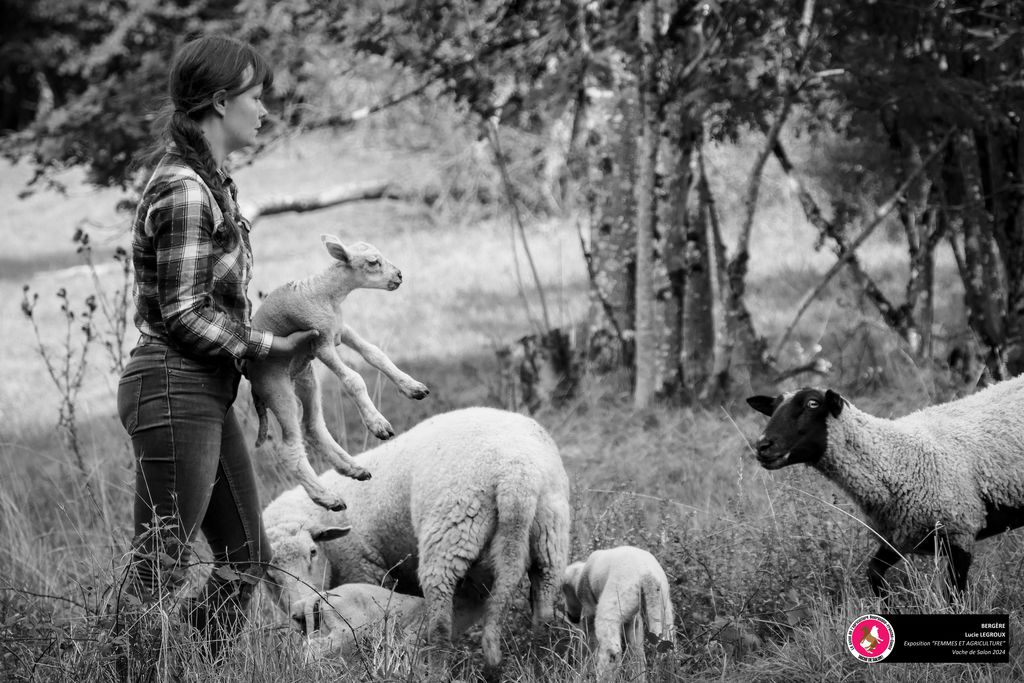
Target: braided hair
<point>203,69</point>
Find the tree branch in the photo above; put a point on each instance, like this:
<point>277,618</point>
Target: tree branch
<point>606,306</point>
<point>342,119</point>
<point>816,217</point>
<point>492,130</point>
<point>880,214</point>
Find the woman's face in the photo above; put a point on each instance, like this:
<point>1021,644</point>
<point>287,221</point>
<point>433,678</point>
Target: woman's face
<point>243,115</point>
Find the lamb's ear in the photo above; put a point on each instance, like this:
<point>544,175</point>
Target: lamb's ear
<point>762,404</point>
<point>329,533</point>
<point>834,402</point>
<point>335,248</point>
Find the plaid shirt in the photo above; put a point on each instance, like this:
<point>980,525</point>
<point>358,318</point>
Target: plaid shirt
<point>189,290</point>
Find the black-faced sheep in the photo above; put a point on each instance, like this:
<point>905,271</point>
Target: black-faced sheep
<point>955,468</point>
<point>285,384</point>
<point>619,594</point>
<point>468,500</point>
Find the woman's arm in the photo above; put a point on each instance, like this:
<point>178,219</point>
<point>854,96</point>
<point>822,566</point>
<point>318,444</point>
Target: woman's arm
<point>180,223</point>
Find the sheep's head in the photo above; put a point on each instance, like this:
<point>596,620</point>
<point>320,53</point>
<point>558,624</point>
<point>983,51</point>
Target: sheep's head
<point>798,429</point>
<point>300,571</point>
<point>362,265</point>
<point>570,588</point>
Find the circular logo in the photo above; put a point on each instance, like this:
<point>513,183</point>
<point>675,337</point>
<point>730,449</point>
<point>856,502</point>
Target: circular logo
<point>870,638</point>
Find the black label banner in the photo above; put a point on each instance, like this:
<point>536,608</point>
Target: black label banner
<point>952,638</point>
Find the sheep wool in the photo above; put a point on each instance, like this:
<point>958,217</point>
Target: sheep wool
<point>619,594</point>
<point>357,614</point>
<point>955,468</point>
<point>471,497</point>
<point>281,383</point>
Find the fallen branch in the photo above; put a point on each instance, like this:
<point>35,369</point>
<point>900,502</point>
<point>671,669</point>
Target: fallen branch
<point>353,192</point>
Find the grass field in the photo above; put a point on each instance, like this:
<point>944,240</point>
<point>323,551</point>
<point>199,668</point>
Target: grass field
<point>766,569</point>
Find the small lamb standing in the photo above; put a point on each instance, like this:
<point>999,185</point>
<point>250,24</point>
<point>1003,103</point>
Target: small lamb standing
<point>282,384</point>
<point>956,467</point>
<point>465,501</point>
<point>353,612</point>
<point>619,594</point>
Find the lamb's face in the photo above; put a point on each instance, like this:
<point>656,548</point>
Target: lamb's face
<point>798,429</point>
<point>570,581</point>
<point>363,265</point>
<point>300,572</point>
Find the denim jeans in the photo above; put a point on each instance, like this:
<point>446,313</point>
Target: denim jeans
<point>193,473</point>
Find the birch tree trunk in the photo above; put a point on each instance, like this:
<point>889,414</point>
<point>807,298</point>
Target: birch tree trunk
<point>646,362</point>
<point>610,177</point>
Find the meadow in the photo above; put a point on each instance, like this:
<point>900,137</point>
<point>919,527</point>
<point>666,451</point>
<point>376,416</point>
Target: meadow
<point>766,568</point>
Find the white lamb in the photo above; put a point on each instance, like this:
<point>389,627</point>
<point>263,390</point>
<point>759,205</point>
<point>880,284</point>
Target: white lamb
<point>286,384</point>
<point>354,613</point>
<point>619,594</point>
<point>467,500</point>
<point>955,470</point>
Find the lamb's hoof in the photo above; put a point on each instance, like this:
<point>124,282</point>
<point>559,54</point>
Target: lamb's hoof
<point>415,390</point>
<point>331,503</point>
<point>492,673</point>
<point>381,429</point>
<point>357,473</point>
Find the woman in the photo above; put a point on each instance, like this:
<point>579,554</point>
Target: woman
<point>193,263</point>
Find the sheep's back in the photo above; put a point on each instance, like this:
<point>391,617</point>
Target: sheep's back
<point>449,463</point>
<point>292,307</point>
<point>981,438</point>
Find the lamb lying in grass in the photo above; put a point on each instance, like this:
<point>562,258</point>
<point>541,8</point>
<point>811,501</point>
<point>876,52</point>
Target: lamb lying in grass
<point>283,383</point>
<point>619,594</point>
<point>355,614</point>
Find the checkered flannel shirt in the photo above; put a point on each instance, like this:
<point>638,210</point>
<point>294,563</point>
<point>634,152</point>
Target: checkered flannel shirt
<point>190,291</point>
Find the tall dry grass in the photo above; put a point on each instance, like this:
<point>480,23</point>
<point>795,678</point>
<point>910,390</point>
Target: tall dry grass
<point>766,569</point>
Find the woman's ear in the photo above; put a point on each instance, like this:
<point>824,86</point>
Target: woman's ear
<point>219,101</point>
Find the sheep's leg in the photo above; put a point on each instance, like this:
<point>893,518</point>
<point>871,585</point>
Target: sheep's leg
<point>317,436</point>
<point>885,557</point>
<point>959,559</point>
<point>447,551</point>
<point>960,564</point>
<point>285,406</point>
<point>355,387</point>
<point>608,634</point>
<point>549,545</point>
<point>410,387</point>
<point>510,552</point>
<point>633,632</point>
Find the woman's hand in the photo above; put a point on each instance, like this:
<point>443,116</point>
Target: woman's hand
<point>295,343</point>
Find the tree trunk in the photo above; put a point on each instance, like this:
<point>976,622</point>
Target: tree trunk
<point>673,199</point>
<point>976,255</point>
<point>646,384</point>
<point>611,254</point>
<point>685,295</point>
<point>1001,164</point>
<point>698,306</point>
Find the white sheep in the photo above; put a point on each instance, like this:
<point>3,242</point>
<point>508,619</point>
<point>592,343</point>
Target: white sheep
<point>286,384</point>
<point>619,594</point>
<point>353,613</point>
<point>955,469</point>
<point>467,500</point>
